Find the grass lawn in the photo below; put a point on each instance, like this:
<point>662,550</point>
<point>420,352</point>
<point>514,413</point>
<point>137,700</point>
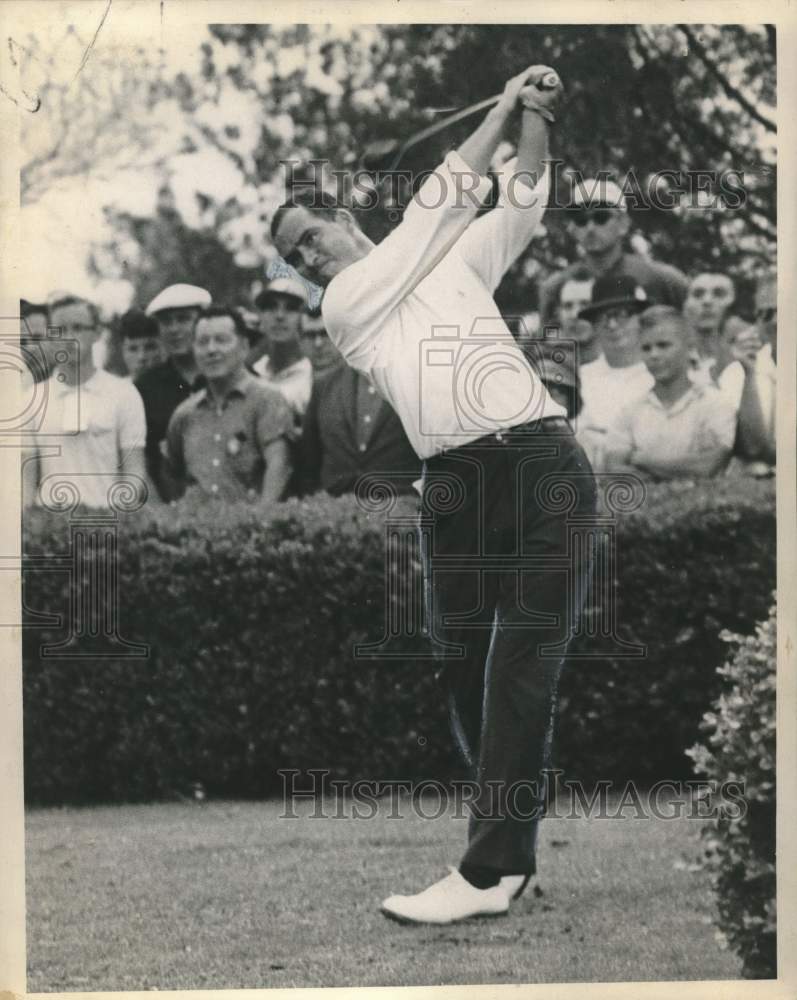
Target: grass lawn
<point>222,894</point>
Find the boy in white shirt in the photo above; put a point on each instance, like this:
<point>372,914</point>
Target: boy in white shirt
<point>677,429</point>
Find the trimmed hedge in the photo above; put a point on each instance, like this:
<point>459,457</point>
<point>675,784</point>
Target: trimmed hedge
<point>251,630</point>
<point>740,852</point>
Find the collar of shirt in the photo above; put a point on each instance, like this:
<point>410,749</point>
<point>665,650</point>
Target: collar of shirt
<point>91,384</point>
<point>240,387</point>
<point>263,367</point>
<point>693,393</point>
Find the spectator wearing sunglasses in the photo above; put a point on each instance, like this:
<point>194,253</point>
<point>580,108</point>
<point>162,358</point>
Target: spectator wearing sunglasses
<point>282,362</point>
<point>749,383</point>
<point>598,221</point>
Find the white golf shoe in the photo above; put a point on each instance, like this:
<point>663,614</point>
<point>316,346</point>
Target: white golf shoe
<point>452,898</point>
<point>514,885</point>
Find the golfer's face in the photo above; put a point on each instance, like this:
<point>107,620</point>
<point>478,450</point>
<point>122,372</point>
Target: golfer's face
<point>317,247</point>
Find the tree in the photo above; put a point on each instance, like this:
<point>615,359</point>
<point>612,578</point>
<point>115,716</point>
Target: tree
<point>87,116</point>
<point>642,100</point>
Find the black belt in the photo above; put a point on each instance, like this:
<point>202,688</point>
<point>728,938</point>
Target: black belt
<point>509,435</point>
<point>545,425</point>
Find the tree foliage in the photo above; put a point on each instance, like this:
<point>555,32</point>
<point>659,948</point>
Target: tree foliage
<point>641,99</point>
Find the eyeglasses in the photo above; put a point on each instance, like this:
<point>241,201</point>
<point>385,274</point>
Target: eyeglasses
<point>600,216</point>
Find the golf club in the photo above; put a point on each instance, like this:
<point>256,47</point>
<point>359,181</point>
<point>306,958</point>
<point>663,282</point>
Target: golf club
<point>386,154</point>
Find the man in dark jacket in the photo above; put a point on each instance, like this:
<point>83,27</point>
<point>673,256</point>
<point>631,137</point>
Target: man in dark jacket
<point>349,430</point>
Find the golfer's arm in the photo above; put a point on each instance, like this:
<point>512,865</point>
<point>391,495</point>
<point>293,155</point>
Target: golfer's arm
<point>533,150</point>
<point>494,241</point>
<point>478,149</point>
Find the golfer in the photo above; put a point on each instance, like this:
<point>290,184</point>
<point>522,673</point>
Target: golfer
<point>416,315</point>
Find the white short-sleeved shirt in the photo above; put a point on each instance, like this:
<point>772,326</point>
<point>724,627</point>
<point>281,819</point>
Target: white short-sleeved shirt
<point>87,430</point>
<point>606,390</point>
<point>294,382</point>
<point>418,318</point>
<point>701,420</point>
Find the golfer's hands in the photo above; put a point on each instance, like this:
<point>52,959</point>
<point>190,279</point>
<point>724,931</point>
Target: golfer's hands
<point>745,348</point>
<point>537,88</point>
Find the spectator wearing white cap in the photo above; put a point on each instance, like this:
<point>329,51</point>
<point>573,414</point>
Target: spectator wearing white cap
<point>599,223</point>
<point>281,362</point>
<point>176,310</point>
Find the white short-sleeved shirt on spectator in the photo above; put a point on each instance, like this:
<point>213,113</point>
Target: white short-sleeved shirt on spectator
<point>294,382</point>
<point>87,430</point>
<point>701,420</point>
<point>605,391</point>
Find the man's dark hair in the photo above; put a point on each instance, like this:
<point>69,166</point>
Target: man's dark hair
<point>75,300</point>
<point>135,324</point>
<point>229,311</point>
<point>315,201</point>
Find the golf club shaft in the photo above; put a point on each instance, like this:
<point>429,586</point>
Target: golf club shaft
<point>547,81</point>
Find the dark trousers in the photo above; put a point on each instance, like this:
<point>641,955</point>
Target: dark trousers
<point>505,580</point>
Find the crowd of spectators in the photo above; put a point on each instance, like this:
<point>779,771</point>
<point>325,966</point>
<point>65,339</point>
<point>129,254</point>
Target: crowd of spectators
<point>660,377</point>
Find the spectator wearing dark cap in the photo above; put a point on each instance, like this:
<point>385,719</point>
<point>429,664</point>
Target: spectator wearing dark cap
<point>599,223</point>
<point>282,363</point>
<point>176,310</point>
<point>678,429</point>
<point>139,343</point>
<point>619,376</point>
<point>229,440</point>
